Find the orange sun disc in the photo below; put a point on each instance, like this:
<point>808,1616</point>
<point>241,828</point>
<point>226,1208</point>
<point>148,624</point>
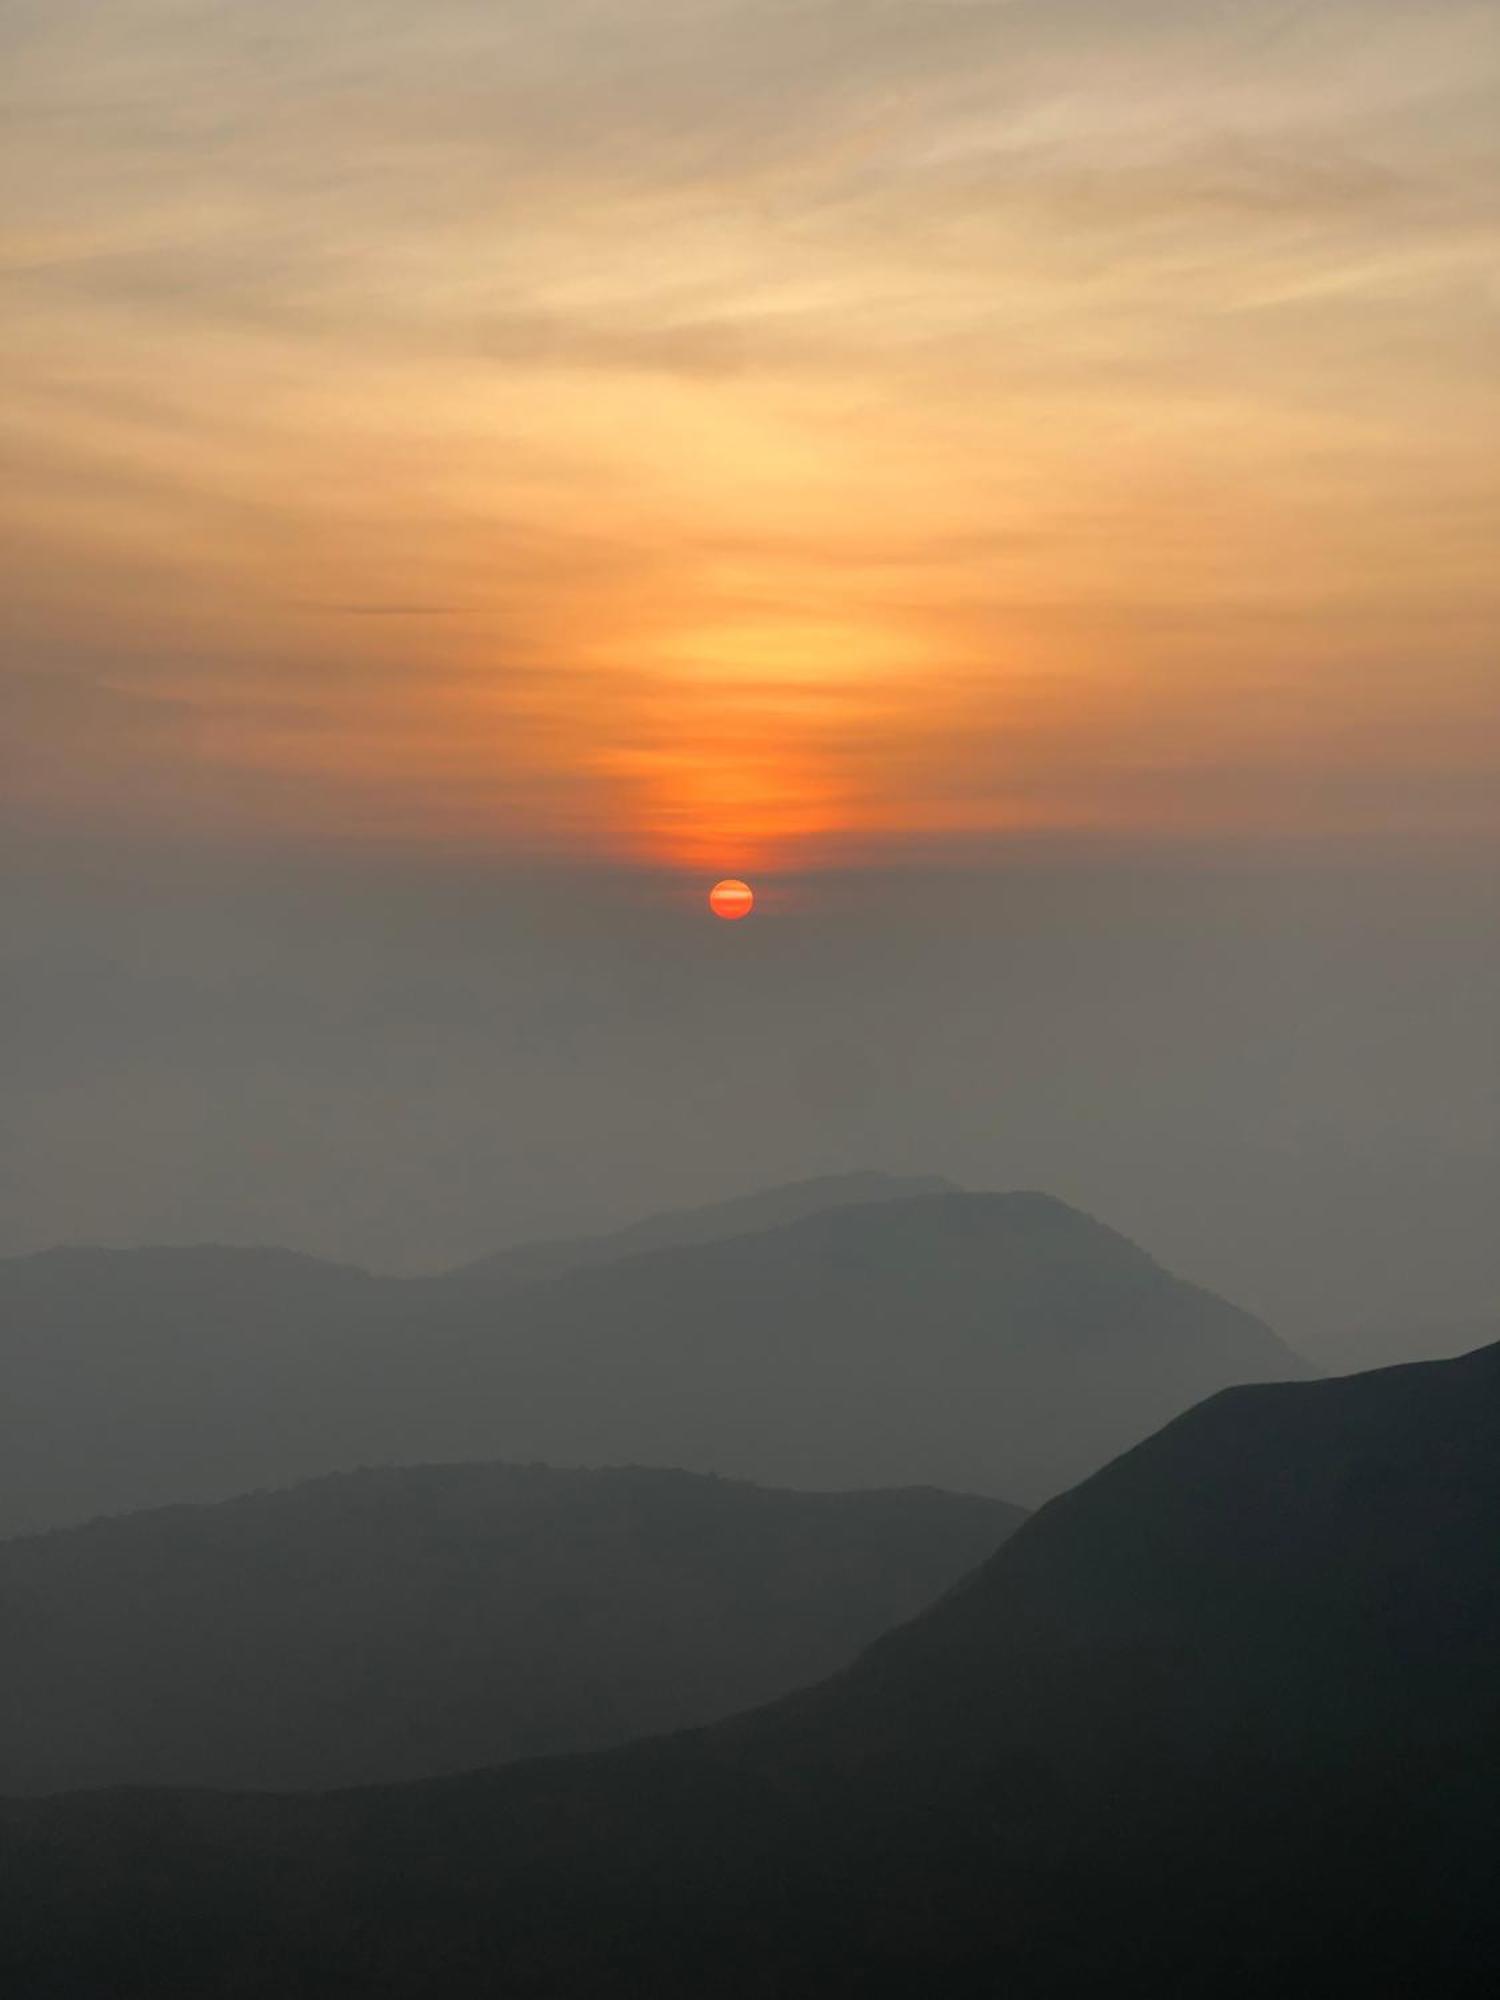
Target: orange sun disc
<point>731,899</point>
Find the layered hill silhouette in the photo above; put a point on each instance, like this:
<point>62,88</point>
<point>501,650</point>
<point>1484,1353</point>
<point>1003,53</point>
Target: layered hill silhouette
<point>115,1363</point>
<point>1225,1719</point>
<point>396,1624</point>
<point>968,1341</point>
<point>746,1215</point>
<point>1000,1344</point>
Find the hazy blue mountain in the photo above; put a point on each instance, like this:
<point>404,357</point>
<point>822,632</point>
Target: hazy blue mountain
<point>744,1216</point>
<point>394,1624</point>
<point>111,1360</point>
<point>1000,1344</point>
<point>965,1341</point>
<point>1225,1719</point>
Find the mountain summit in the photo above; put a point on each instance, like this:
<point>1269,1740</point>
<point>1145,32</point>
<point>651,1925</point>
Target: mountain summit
<point>1001,1344</point>
<point>743,1215</point>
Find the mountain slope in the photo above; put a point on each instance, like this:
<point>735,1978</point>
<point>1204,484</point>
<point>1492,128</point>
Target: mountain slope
<point>400,1623</point>
<point>132,1378</point>
<point>958,1340</point>
<point>1000,1344</point>
<point>1224,1719</point>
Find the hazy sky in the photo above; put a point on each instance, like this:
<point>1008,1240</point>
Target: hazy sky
<point>729,432</point>
<point>1018,480</point>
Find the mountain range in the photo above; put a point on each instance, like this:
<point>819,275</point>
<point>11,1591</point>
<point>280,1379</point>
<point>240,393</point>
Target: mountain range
<point>399,1623</point>
<point>744,1215</point>
<point>997,1344</point>
<point>1224,1719</point>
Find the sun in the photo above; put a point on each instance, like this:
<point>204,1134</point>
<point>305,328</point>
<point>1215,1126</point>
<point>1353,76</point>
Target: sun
<point>731,900</point>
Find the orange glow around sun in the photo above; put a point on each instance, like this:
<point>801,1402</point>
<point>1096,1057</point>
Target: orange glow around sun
<point>728,510</point>
<point>724,777</point>
<point>731,899</point>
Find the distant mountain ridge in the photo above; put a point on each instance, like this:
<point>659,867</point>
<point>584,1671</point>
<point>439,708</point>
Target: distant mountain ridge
<point>524,1263</point>
<point>744,1215</point>
<point>999,1344</point>
<point>959,1340</point>
<point>400,1623</point>
<point>1225,1719</point>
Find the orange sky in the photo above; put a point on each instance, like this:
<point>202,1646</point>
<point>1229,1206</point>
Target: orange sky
<point>739,436</point>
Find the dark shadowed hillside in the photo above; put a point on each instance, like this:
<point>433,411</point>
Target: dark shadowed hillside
<point>1001,1344</point>
<point>1226,1719</point>
<point>401,1623</point>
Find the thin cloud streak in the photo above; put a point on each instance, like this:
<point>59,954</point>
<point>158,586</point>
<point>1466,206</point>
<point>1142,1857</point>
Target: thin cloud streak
<point>690,431</point>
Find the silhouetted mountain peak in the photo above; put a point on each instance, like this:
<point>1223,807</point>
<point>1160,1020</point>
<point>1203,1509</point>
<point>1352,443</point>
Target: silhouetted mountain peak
<point>956,1221</point>
<point>990,1343</point>
<point>1276,1529</point>
<point>742,1215</point>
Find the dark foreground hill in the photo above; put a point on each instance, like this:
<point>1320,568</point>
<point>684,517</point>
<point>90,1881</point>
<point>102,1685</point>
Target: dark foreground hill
<point>1224,1720</point>
<point>1001,1344</point>
<point>397,1624</point>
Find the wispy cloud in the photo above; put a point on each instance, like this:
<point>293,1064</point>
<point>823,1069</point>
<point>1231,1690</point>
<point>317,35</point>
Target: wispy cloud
<point>687,426</point>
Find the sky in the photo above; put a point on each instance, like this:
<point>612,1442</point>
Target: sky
<point>1017,481</point>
